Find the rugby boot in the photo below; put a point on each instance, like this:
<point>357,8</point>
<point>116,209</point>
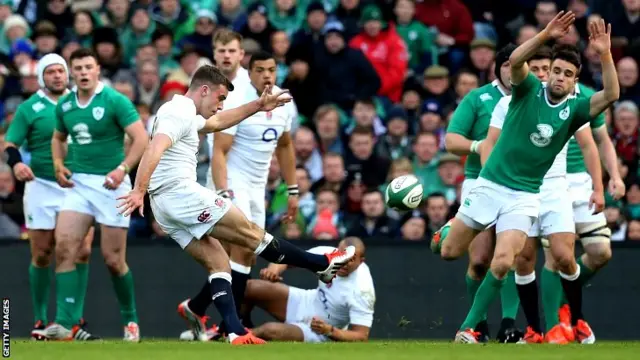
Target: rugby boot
<point>467,336</point>
<point>531,337</point>
<point>560,334</point>
<point>247,339</point>
<point>439,236</point>
<point>583,333</point>
<point>564,315</point>
<point>38,331</point>
<point>212,334</point>
<point>197,323</point>
<point>131,332</point>
<point>337,259</point>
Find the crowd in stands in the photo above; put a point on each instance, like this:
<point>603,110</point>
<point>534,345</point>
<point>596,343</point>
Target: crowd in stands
<point>374,81</point>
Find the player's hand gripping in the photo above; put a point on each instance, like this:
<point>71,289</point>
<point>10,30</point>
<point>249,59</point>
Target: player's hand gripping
<point>62,176</point>
<point>617,188</point>
<point>320,327</point>
<point>132,201</point>
<point>596,202</point>
<point>22,172</point>
<point>114,179</point>
<point>560,25</point>
<point>600,36</point>
<point>292,209</point>
<point>269,101</point>
<point>270,275</point>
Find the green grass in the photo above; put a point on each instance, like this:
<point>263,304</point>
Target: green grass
<point>392,350</point>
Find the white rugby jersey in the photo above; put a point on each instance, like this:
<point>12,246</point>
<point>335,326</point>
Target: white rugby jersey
<point>346,300</point>
<point>255,139</point>
<point>178,120</point>
<point>239,82</point>
<point>559,166</point>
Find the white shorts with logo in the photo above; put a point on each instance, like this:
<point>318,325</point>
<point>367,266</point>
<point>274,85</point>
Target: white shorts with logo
<point>488,203</point>
<point>188,211</point>
<point>580,189</point>
<point>250,199</point>
<point>42,202</point>
<point>88,196</point>
<point>556,211</point>
<point>467,185</point>
<point>300,311</point>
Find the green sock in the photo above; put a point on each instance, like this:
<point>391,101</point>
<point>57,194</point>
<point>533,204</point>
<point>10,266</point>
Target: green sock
<point>509,297</point>
<point>39,280</point>
<point>472,289</point>
<point>552,296</point>
<point>66,293</point>
<point>487,292</point>
<point>83,279</point>
<point>123,285</point>
<point>585,273</point>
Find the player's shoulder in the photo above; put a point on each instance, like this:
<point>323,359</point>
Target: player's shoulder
<point>583,90</point>
<point>112,94</point>
<point>33,104</point>
<point>363,279</point>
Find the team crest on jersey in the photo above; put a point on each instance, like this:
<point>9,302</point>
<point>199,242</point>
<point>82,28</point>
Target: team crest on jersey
<point>98,113</point>
<point>37,107</point>
<point>564,114</point>
<point>542,138</point>
<point>486,97</point>
<point>66,106</point>
<point>219,202</point>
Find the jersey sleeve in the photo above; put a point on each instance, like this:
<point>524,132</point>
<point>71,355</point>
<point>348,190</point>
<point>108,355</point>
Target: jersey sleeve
<point>60,119</point>
<point>170,125</point>
<point>200,122</point>
<point>19,128</point>
<point>361,306</point>
<point>463,117</point>
<point>499,113</point>
<point>525,87</point>
<point>583,105</point>
<point>126,113</point>
<point>598,122</point>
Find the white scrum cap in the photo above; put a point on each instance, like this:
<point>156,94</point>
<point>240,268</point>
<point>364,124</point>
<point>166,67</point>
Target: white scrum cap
<point>48,60</point>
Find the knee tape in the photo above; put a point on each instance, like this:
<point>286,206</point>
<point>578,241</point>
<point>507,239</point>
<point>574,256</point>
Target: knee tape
<point>593,233</point>
<point>544,242</point>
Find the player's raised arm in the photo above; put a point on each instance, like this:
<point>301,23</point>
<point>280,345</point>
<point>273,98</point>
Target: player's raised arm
<point>592,162</point>
<point>556,29</point>
<point>228,118</point>
<point>600,41</point>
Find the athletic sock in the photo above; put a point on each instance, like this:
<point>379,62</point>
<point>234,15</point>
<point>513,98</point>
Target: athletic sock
<point>509,298</point>
<point>528,292</point>
<point>83,280</point>
<point>240,274</point>
<point>585,273</point>
<point>223,300</point>
<point>124,288</point>
<point>199,303</point>
<point>66,292</point>
<point>283,252</point>
<point>39,281</point>
<point>487,292</point>
<point>552,295</point>
<point>472,289</point>
<point>573,291</point>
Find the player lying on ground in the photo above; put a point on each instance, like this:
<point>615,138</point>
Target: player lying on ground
<point>466,131</point>
<point>555,221</point>
<point>33,124</point>
<point>96,117</point>
<point>195,216</point>
<point>539,123</point>
<point>241,159</point>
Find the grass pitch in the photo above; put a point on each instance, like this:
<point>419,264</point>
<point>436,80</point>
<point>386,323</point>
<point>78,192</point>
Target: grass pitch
<point>382,350</point>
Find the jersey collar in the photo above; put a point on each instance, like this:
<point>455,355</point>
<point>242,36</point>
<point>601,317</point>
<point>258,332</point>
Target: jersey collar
<point>98,90</point>
<point>495,83</point>
<point>43,95</point>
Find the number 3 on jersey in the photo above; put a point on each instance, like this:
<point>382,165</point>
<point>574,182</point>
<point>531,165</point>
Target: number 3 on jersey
<point>82,135</point>
<point>542,137</point>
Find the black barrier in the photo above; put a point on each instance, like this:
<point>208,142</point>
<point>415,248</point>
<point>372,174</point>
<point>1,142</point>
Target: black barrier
<point>418,295</point>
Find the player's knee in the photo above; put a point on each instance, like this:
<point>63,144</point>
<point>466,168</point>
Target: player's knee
<point>599,255</point>
<point>242,255</point>
<point>478,270</point>
<point>83,254</point>
<point>66,248</point>
<point>501,264</point>
<point>525,264</point>
<point>448,253</point>
<point>268,331</point>
<point>564,261</point>
<point>114,259</point>
<point>42,257</point>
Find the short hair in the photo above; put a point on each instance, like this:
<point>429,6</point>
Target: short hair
<point>260,56</point>
<point>365,101</point>
<point>209,75</point>
<point>323,110</point>
<point>543,53</point>
<point>331,154</point>
<point>568,53</point>
<point>324,189</point>
<point>362,130</point>
<point>81,54</point>
<point>303,168</point>
<point>424,133</point>
<point>373,190</point>
<point>435,195</point>
<point>463,71</point>
<point>226,36</point>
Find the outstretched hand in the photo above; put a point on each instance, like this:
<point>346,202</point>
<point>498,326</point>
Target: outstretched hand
<point>130,202</point>
<point>269,100</point>
<point>600,36</point>
<point>560,25</point>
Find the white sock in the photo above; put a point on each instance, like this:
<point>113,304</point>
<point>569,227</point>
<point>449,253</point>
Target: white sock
<point>239,267</point>
<point>573,277</point>
<point>525,279</point>
<point>264,243</point>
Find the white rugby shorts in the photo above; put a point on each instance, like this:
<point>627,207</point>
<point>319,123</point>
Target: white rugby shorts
<point>300,311</point>
<point>556,211</point>
<point>580,190</point>
<point>42,202</point>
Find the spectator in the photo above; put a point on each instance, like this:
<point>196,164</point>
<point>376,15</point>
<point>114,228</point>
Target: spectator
<point>626,23</point>
<point>327,123</point>
<point>147,84</point>
<point>124,83</point>
<point>411,104</point>
<point>188,59</point>
<point>616,222</point>
<point>628,79</point>
<point>306,202</point>
<point>431,121</point>
<point>334,175</point>
<point>633,200</point>
<point>45,38</point>
<point>425,161</point>
<point>15,27</point>
<point>307,153</point>
<point>11,213</point>
<point>305,41</point>
<point>545,11</point>
<point>396,143</point>
<point>626,133</point>
<point>362,160</point>
<point>345,72</point>
<point>287,15</point>
<point>482,55</point>
<point>373,221</point>
<point>257,26</point>
<point>348,13</point>
<point>173,15</point>
<point>327,223</point>
<point>229,11</point>
<point>437,210</point>
<point>633,230</point>
<point>571,38</point>
<point>107,46</point>
<point>385,49</point>
<point>116,14</point>
<point>364,115</point>
<point>205,26</point>
<point>525,33</point>
<point>449,171</point>
<point>57,12</point>
<point>280,44</point>
<point>466,81</point>
<point>434,85</point>
<point>420,40</point>
<point>138,32</point>
<point>413,227</point>
<point>83,25</point>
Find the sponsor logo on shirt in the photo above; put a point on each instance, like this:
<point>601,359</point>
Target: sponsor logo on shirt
<point>542,138</point>
<point>204,216</point>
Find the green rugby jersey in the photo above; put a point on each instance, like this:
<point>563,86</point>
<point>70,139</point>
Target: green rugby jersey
<point>471,120</point>
<point>96,129</point>
<point>534,132</point>
<point>33,124</point>
<point>575,160</point>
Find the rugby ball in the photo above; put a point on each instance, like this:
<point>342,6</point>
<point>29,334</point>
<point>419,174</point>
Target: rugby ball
<point>404,193</point>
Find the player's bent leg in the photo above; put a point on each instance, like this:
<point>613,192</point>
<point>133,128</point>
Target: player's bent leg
<point>552,292</point>
<point>461,233</point>
<point>480,252</point>
<point>241,260</point>
<point>273,331</point>
<point>235,228</point>
<point>596,241</point>
<point>528,290</point>
<point>268,296</point>
<point>113,245</point>
<point>42,245</point>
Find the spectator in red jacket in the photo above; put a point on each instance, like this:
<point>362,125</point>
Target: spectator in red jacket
<point>385,49</point>
<point>451,17</point>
